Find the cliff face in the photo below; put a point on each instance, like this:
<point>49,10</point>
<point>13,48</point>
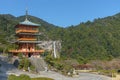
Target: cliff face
<point>54,46</point>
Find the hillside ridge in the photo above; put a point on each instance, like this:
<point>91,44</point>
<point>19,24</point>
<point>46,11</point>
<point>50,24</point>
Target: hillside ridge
<point>87,41</point>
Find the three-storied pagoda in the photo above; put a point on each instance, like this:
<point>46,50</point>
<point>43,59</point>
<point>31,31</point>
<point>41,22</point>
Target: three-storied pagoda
<point>27,33</point>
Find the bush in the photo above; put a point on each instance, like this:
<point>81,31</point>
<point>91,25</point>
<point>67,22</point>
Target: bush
<point>32,68</point>
<point>24,64</point>
<point>20,55</point>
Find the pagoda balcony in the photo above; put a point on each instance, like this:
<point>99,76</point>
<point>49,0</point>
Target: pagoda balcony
<point>27,39</point>
<point>36,42</point>
<point>26,51</point>
<point>34,34</point>
<point>26,31</point>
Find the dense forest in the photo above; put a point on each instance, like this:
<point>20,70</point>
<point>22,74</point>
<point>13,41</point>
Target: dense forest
<point>99,39</point>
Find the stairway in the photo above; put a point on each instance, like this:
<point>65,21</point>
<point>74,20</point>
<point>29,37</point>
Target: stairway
<point>39,64</point>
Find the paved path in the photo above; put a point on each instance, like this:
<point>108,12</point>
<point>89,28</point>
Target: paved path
<point>57,76</point>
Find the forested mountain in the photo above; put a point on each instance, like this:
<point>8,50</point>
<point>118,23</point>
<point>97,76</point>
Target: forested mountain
<point>99,39</point>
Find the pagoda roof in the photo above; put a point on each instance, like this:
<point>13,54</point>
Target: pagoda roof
<point>36,42</point>
<point>29,23</point>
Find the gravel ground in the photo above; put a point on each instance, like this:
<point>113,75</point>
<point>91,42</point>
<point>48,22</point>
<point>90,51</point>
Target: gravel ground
<point>57,76</point>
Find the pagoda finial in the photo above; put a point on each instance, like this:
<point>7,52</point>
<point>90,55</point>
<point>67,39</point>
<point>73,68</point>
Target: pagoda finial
<point>26,14</point>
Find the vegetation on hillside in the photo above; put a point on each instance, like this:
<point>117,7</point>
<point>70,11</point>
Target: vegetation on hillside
<point>87,41</point>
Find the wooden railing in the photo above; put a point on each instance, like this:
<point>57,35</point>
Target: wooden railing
<point>27,39</point>
<point>26,51</point>
<point>27,31</point>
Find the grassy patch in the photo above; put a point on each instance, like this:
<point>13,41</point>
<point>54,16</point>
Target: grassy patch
<point>21,77</point>
<point>26,77</point>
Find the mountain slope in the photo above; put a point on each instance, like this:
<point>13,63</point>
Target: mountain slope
<point>99,39</point>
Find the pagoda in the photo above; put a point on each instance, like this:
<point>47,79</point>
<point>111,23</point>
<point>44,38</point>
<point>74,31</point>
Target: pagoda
<point>26,38</point>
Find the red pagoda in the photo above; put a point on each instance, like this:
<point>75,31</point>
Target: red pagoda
<point>27,33</point>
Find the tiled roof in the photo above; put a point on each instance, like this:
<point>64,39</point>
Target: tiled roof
<point>27,22</point>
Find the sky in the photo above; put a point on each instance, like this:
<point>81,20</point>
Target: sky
<point>62,13</point>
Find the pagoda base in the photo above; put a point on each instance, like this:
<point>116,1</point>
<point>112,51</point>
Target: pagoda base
<point>26,53</point>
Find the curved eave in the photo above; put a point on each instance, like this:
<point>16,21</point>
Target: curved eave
<point>28,23</point>
<point>36,42</point>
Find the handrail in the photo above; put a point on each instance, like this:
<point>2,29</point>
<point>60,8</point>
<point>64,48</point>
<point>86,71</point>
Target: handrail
<point>27,39</point>
<point>20,30</point>
<point>22,51</point>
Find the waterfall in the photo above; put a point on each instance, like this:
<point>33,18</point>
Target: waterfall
<point>55,55</point>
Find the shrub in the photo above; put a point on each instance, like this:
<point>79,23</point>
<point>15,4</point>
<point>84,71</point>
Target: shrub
<point>24,64</point>
<point>20,55</point>
<point>32,68</point>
